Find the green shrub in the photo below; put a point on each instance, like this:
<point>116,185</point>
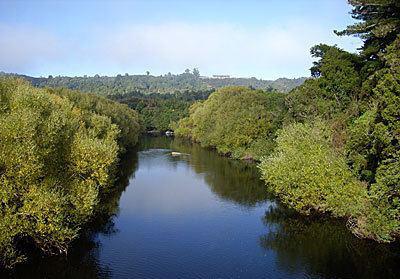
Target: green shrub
<point>309,175</point>
<point>58,154</point>
<point>120,114</point>
<point>237,121</point>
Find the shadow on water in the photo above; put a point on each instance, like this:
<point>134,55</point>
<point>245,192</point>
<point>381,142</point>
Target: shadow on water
<point>231,180</point>
<point>82,260</point>
<point>324,248</point>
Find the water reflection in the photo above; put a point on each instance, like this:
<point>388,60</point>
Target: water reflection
<point>109,202</point>
<point>231,180</point>
<point>324,248</point>
<point>312,248</point>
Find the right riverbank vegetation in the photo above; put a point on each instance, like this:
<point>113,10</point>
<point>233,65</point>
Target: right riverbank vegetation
<point>331,145</point>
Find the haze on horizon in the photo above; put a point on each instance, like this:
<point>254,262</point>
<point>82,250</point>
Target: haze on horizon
<point>264,39</point>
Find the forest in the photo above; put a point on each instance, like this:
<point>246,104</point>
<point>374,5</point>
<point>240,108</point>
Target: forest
<point>189,80</point>
<point>160,111</point>
<point>331,145</point>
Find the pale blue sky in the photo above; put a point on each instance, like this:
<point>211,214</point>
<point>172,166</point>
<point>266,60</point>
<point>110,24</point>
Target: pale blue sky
<point>265,39</point>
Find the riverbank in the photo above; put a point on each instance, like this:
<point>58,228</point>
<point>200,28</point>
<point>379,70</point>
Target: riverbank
<point>208,216</point>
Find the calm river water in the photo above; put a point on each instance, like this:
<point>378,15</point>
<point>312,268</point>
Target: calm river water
<point>204,216</point>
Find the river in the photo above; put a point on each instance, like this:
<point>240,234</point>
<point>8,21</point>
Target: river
<point>200,215</point>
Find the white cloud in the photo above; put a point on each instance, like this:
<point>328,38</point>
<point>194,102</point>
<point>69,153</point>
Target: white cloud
<point>214,48</point>
<point>268,52</point>
<point>219,47</point>
<point>23,48</point>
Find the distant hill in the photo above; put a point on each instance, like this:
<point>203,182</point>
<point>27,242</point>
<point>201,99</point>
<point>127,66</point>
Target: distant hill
<point>281,84</point>
<point>148,84</point>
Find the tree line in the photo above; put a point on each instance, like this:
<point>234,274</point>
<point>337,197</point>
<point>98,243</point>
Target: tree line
<point>163,84</point>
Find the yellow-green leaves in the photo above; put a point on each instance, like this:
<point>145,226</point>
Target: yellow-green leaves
<point>236,121</point>
<point>308,174</point>
<point>58,153</point>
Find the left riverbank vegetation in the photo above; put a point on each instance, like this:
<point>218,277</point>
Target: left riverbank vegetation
<point>59,153</point>
<point>335,139</point>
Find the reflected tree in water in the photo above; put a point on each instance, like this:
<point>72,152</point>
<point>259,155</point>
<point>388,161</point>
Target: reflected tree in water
<point>231,180</point>
<point>325,248</point>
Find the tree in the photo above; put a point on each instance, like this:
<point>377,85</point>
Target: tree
<point>196,72</point>
<point>307,173</point>
<point>337,82</point>
<point>318,51</point>
<point>379,26</point>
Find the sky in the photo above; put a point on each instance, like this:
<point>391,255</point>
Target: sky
<point>263,39</point>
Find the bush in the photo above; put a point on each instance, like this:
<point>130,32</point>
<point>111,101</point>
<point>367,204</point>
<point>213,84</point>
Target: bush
<point>120,114</point>
<point>58,154</point>
<point>308,175</point>
<point>237,121</point>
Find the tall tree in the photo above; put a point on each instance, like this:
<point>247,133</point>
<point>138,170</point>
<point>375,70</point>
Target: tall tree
<point>196,72</point>
<point>378,27</point>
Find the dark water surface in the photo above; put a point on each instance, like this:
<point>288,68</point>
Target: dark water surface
<point>205,216</point>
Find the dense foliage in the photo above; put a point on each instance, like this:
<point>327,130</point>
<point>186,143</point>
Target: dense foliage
<point>307,173</point>
<point>350,166</point>
<point>160,111</point>
<point>237,121</point>
<point>59,150</point>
